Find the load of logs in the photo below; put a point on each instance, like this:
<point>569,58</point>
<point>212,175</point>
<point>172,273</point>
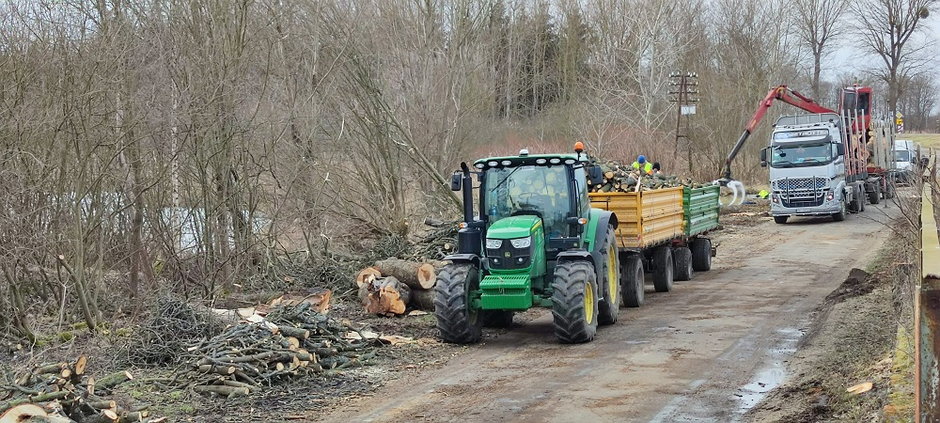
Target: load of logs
<point>63,392</point>
<point>617,177</point>
<point>292,341</point>
<point>392,286</point>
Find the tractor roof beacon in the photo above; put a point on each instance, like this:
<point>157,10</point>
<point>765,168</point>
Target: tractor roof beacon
<point>533,241</point>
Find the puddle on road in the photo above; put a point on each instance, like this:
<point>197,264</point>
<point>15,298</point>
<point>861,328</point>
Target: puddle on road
<point>771,375</point>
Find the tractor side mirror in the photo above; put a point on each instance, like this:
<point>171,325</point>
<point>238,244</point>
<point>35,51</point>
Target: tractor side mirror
<point>456,181</point>
<point>840,149</point>
<point>763,157</point>
<point>595,174</point>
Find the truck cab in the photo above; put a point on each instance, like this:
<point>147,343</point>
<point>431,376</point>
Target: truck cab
<point>905,158</point>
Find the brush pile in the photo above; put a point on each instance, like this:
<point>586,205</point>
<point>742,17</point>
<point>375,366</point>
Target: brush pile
<point>617,177</point>
<point>63,392</point>
<point>291,341</point>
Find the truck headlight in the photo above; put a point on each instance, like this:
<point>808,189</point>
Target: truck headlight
<point>521,242</point>
<point>493,244</point>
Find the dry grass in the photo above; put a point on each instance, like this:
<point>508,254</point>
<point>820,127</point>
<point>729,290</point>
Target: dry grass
<point>926,140</point>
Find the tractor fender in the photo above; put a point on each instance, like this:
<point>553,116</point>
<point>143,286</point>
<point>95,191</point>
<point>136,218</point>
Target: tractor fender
<point>600,220</point>
<point>463,259</point>
<point>576,255</point>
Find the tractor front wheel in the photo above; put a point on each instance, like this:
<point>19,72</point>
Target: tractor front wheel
<point>609,280</point>
<point>457,320</point>
<point>574,301</point>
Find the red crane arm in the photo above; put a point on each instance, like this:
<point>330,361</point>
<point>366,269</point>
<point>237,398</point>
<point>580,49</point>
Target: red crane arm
<point>781,93</point>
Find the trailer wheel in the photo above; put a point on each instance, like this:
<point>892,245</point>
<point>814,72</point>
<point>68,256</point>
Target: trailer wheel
<point>632,280</point>
<point>780,220</point>
<point>574,301</point>
<point>840,216</point>
<point>874,197</point>
<point>663,267</point>
<point>683,260</point>
<point>701,254</point>
<point>496,318</point>
<point>608,279</point>
<point>457,320</point>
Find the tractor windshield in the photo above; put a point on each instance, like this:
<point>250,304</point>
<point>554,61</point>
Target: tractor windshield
<point>532,190</point>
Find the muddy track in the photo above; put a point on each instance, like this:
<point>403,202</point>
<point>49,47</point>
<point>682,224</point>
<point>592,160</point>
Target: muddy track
<point>708,351</point>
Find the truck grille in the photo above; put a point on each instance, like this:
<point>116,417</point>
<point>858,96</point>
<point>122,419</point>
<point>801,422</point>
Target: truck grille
<point>801,192</point>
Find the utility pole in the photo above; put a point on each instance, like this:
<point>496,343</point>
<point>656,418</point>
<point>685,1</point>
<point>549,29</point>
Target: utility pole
<point>685,87</point>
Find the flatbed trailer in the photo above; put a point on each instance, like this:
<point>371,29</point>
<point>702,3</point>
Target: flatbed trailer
<point>660,231</point>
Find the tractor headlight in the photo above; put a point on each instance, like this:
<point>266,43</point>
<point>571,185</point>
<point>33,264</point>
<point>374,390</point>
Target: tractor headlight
<point>493,244</point>
<point>520,243</point>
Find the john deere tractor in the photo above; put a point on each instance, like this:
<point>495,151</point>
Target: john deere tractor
<point>535,241</point>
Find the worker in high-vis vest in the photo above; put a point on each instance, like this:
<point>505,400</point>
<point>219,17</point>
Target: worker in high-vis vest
<point>643,165</point>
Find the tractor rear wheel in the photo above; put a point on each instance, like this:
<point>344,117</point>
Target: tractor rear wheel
<point>608,279</point>
<point>683,260</point>
<point>457,320</point>
<point>496,318</point>
<point>663,267</point>
<point>632,280</point>
<point>701,254</point>
<point>574,301</point>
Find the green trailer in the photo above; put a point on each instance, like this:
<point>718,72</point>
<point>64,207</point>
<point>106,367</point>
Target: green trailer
<point>700,207</point>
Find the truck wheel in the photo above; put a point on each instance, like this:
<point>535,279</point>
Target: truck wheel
<point>663,267</point>
<point>682,257</point>
<point>574,301</point>
<point>840,216</point>
<point>874,197</point>
<point>457,320</point>
<point>781,219</point>
<point>496,318</point>
<point>608,279</point>
<point>701,254</point>
<point>632,280</point>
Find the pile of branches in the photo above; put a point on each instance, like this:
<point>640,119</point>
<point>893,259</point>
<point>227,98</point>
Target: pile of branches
<point>63,392</point>
<point>439,242</point>
<point>172,326</point>
<point>291,342</point>
<point>617,177</point>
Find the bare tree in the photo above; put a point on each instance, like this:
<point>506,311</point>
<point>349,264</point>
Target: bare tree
<point>818,23</point>
<point>889,29</point>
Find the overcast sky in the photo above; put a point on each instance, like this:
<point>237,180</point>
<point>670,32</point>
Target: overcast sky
<point>847,57</point>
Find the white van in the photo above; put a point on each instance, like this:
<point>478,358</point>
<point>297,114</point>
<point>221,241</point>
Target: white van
<point>905,157</point>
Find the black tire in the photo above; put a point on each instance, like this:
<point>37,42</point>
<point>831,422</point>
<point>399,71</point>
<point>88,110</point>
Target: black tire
<point>632,280</point>
<point>663,268</point>
<point>780,220</point>
<point>682,257</point>
<point>874,197</point>
<point>457,321</point>
<point>574,301</point>
<point>496,318</point>
<point>840,215</point>
<point>701,254</point>
<point>608,280</point>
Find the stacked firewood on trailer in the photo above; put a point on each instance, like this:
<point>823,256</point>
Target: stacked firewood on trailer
<point>393,286</point>
<point>290,342</point>
<point>64,392</point>
<point>617,177</point>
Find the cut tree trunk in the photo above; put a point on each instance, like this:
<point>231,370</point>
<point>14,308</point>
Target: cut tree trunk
<point>23,413</point>
<point>387,295</point>
<point>422,299</point>
<point>415,275</point>
<point>367,275</point>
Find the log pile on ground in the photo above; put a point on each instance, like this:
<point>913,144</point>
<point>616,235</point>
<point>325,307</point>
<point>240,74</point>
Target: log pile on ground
<point>292,341</point>
<point>617,177</point>
<point>64,392</point>
<point>391,286</point>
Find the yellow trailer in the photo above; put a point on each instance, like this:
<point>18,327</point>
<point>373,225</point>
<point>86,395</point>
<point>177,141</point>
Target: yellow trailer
<point>652,236</point>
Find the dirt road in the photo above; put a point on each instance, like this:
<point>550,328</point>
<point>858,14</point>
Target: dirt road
<point>708,351</point>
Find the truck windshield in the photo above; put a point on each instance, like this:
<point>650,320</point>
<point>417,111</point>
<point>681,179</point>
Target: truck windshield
<point>533,190</point>
<point>794,155</point>
<point>902,156</point>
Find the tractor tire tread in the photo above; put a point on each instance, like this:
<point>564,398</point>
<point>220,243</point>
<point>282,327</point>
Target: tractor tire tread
<point>568,311</point>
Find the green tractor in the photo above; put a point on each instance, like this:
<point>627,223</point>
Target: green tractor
<point>536,241</point>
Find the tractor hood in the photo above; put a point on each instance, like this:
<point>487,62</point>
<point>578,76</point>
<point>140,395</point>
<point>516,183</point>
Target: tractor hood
<point>513,227</point>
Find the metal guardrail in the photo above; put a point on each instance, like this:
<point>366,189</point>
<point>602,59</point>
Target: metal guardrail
<point>927,306</point>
